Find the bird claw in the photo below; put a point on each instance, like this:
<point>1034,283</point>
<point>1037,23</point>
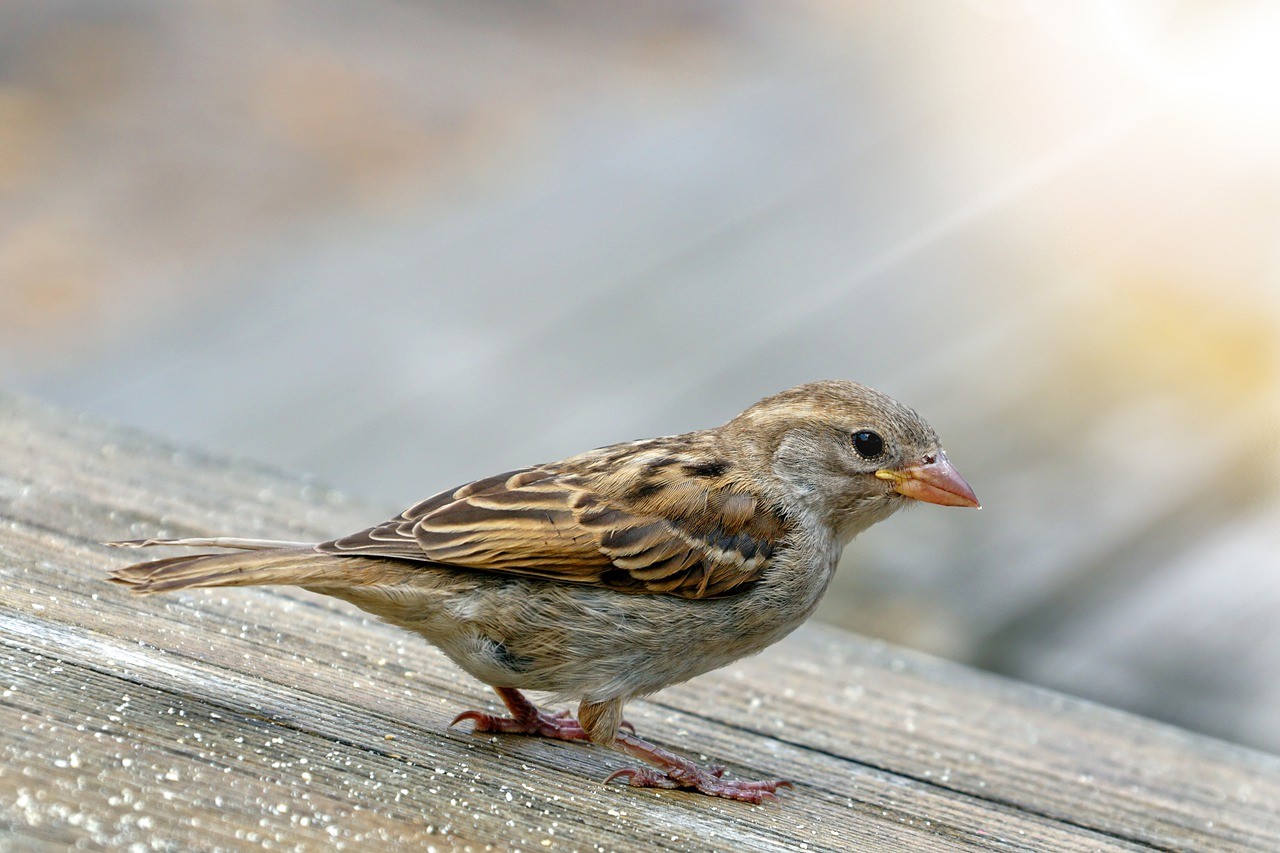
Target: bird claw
<point>559,726</point>
<point>705,780</point>
<point>642,777</point>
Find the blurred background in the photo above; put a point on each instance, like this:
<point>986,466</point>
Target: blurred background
<point>403,244</point>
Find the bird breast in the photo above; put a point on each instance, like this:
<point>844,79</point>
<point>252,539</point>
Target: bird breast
<point>580,641</point>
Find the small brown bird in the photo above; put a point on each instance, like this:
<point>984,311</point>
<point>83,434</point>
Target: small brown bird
<point>622,570</point>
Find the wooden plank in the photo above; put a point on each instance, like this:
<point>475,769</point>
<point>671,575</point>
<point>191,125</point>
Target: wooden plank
<point>236,717</point>
<point>797,212</point>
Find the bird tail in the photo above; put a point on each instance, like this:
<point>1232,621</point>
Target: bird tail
<point>261,562</point>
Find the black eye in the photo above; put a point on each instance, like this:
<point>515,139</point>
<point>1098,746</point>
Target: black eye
<point>868,444</point>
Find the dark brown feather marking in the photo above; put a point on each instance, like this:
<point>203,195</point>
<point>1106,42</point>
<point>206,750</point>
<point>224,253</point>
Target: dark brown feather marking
<point>642,490</point>
<point>708,468</point>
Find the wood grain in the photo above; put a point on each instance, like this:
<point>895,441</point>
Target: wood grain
<point>240,718</point>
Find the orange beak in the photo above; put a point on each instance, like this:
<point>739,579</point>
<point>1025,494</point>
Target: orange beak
<point>934,482</point>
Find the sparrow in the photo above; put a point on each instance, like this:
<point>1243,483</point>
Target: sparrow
<point>617,572</point>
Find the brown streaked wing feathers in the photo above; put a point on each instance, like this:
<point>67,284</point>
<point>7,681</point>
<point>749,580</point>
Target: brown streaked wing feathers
<point>541,523</point>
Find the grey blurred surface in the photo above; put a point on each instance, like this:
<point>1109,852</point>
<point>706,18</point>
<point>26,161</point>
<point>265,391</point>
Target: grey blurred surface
<point>401,245</point>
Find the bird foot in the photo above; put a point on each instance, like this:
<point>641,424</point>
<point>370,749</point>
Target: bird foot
<point>527,719</point>
<point>704,780</point>
<point>671,771</point>
<point>560,725</point>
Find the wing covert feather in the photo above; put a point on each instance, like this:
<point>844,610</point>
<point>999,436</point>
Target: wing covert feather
<point>686,538</point>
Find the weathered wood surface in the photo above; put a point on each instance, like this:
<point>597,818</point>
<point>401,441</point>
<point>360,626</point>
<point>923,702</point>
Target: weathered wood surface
<point>518,230</point>
<point>261,717</point>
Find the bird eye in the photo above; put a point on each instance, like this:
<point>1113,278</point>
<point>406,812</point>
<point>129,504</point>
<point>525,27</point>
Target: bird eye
<point>868,444</point>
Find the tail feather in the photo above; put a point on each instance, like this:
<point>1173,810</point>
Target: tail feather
<point>302,566</point>
<point>214,542</point>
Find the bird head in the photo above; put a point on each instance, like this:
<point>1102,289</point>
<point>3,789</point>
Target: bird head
<point>849,453</point>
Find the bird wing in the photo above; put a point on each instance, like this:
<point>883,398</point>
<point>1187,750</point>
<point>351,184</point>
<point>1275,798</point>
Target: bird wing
<point>540,522</point>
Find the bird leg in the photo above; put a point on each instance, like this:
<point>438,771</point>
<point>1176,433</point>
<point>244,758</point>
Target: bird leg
<point>672,771</point>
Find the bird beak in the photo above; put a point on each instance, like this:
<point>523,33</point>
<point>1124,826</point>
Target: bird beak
<point>934,482</point>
